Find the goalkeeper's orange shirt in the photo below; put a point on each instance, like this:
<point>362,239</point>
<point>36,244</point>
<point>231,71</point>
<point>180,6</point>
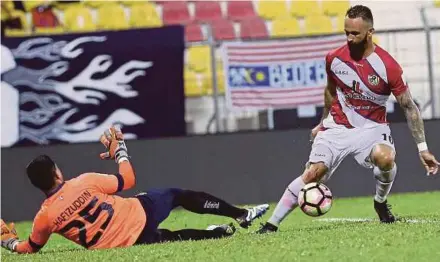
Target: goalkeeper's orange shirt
<point>84,211</point>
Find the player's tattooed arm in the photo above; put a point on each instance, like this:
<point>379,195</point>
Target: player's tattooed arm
<point>413,117</point>
<point>329,95</point>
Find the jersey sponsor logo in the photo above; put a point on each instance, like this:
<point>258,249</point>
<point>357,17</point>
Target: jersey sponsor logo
<point>319,155</point>
<point>211,205</point>
<point>70,210</point>
<point>359,97</point>
<point>341,72</point>
<point>357,93</point>
<point>373,80</point>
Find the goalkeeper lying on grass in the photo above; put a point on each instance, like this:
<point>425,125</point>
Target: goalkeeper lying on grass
<point>85,211</point>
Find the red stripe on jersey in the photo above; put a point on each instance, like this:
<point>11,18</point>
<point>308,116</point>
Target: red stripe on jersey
<point>375,112</point>
<point>339,116</point>
<point>364,72</point>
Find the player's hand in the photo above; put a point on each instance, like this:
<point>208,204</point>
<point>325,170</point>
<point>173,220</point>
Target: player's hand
<point>429,162</point>
<point>9,238</point>
<point>314,132</point>
<point>113,140</point>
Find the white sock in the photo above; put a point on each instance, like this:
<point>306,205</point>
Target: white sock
<point>288,202</point>
<point>384,182</point>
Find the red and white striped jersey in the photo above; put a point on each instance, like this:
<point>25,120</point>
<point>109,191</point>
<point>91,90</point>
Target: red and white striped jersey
<point>363,87</point>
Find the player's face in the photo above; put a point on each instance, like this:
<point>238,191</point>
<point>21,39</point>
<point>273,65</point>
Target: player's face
<point>358,34</point>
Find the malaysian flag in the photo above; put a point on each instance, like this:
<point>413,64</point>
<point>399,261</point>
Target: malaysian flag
<point>277,74</point>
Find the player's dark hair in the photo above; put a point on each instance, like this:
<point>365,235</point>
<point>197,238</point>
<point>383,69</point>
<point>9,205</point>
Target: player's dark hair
<point>41,172</point>
<point>362,12</point>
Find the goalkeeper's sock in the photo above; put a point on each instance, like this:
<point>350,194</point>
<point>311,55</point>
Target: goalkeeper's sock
<point>384,182</point>
<point>287,203</point>
<point>204,203</point>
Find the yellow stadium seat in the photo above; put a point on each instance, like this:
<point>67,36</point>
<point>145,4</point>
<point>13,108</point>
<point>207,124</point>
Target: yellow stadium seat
<point>285,27</point>
<point>22,16</point>
<point>193,86</point>
<point>199,58</point>
<point>272,9</point>
<point>78,18</point>
<point>97,4</point>
<point>111,16</point>
<point>49,30</point>
<point>9,5</point>
<point>207,80</point>
<point>305,8</point>
<point>340,20</point>
<point>335,7</point>
<point>319,24</point>
<point>144,15</point>
<point>17,32</point>
<point>61,5</point>
<point>132,2</point>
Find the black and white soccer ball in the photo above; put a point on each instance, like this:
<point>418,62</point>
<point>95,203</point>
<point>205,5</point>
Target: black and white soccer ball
<point>315,199</point>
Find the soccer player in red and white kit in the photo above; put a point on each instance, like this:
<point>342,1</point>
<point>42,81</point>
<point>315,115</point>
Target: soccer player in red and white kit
<point>361,76</point>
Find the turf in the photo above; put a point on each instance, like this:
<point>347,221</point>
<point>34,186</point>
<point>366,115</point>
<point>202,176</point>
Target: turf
<point>300,238</point>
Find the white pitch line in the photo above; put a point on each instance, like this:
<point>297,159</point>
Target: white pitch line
<point>373,220</point>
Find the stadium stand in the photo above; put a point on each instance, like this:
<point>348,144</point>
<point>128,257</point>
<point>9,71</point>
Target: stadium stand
<point>305,8</point>
<point>223,29</point>
<point>253,28</point>
<point>240,10</point>
<point>285,27</point>
<point>199,58</point>
<point>318,24</point>
<point>144,15</point>
<point>78,18</point>
<point>111,16</point>
<point>207,11</point>
<point>335,8</point>
<point>193,33</point>
<point>272,9</point>
<point>175,13</point>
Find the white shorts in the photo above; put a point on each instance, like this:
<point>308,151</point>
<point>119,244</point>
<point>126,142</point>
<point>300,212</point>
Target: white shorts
<point>333,145</point>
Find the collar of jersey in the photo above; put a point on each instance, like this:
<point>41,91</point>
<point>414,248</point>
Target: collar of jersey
<point>55,190</point>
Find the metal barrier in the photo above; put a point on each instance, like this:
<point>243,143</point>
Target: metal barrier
<point>421,70</point>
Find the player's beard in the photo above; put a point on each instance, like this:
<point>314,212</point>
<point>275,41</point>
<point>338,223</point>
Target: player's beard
<point>357,49</point>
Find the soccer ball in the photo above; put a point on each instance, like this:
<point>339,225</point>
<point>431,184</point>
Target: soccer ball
<point>315,199</point>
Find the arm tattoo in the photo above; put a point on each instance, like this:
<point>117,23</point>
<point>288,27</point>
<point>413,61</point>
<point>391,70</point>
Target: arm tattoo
<point>413,117</point>
<point>329,95</point>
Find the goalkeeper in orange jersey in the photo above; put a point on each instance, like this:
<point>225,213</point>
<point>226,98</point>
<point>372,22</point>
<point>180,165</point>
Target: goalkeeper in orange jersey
<point>86,211</point>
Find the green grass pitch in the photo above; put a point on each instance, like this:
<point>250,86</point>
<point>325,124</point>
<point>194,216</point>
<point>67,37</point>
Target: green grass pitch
<point>349,232</point>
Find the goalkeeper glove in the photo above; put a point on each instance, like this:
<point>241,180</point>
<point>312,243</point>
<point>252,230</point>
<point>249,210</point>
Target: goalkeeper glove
<point>9,236</point>
<point>113,140</point>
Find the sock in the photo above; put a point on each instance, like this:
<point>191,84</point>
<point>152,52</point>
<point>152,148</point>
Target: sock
<point>384,182</point>
<point>287,203</point>
<point>204,203</point>
<point>188,234</point>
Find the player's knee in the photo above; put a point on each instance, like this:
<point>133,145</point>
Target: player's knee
<point>383,157</point>
<point>314,172</point>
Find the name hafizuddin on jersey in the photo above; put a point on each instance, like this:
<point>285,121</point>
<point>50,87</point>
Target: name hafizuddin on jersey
<point>69,211</point>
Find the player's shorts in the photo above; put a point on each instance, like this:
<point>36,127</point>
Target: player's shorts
<point>331,146</point>
<point>157,204</point>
